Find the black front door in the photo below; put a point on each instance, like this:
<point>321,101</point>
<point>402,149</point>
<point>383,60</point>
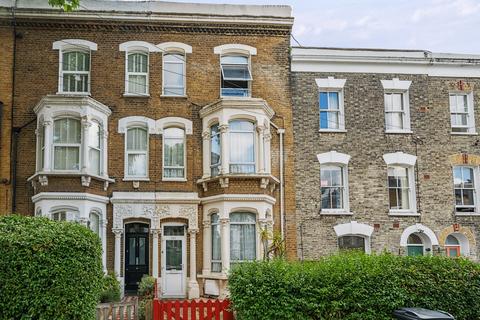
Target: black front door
<point>136,254</point>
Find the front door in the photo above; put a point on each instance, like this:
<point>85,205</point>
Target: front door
<point>136,254</point>
<point>174,261</point>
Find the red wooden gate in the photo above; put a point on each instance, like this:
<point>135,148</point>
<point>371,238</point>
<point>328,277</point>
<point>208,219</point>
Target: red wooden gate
<point>191,310</point>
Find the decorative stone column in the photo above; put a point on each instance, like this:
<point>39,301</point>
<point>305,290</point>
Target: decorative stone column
<point>118,244</point>
<point>155,236</point>
<point>86,124</point>
<point>225,240</point>
<point>207,247</point>
<point>48,141</point>
<point>103,230</point>
<point>225,157</point>
<point>261,150</point>
<point>206,153</point>
<point>193,289</point>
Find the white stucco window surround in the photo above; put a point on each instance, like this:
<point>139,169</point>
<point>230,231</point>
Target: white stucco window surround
<point>72,133</point>
<point>331,104</point>
<point>334,183</point>
<point>137,66</point>
<point>401,183</point>
<point>242,123</point>
<point>397,105</point>
<point>74,66</point>
<point>245,213</point>
<point>427,236</point>
<point>174,68</point>
<point>87,209</point>
<point>354,228</point>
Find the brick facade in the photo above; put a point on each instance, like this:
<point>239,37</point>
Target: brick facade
<point>365,141</point>
<point>37,77</point>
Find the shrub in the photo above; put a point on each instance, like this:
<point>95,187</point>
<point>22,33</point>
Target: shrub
<point>355,286</point>
<point>146,289</point>
<point>111,288</point>
<point>48,269</point>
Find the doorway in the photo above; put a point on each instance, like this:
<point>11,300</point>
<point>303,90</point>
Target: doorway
<point>136,254</point>
<point>174,255</point>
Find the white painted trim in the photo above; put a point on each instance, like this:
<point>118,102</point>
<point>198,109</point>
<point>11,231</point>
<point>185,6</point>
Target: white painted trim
<point>353,228</point>
<point>163,123</point>
<point>74,43</point>
<point>330,83</point>
<point>396,84</point>
<point>235,48</point>
<point>183,238</point>
<point>127,122</point>
<point>399,158</point>
<point>154,197</point>
<point>139,50</point>
<point>69,196</point>
<point>333,157</point>
<point>138,46</point>
<point>418,228</point>
<point>238,197</point>
<point>174,46</point>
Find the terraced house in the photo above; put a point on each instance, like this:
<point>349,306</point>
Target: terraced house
<point>161,126</point>
<point>387,151</point>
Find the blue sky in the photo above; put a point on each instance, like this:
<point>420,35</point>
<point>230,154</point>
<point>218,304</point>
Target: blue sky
<point>435,25</point>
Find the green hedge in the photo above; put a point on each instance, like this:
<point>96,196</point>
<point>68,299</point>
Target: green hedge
<point>48,269</point>
<point>355,286</point>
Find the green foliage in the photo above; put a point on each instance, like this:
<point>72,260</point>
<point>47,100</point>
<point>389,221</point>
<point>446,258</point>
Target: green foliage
<point>142,307</point>
<point>111,289</point>
<point>146,286</point>
<point>355,286</point>
<point>48,269</point>
<point>66,5</point>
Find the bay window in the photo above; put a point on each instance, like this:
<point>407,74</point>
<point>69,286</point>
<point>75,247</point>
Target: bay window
<point>94,223</point>
<point>216,244</point>
<point>136,152</point>
<point>173,74</point>
<point>242,237</point>
<point>59,216</point>
<point>465,189</point>
<point>215,150</point>
<point>242,146</point>
<point>137,73</point>
<point>66,144</point>
<point>173,153</point>
<point>41,147</point>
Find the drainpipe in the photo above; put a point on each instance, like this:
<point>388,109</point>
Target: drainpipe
<point>12,135</point>
<point>281,132</point>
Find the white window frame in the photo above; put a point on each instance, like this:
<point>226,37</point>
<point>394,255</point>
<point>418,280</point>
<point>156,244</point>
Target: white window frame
<point>411,201</point>
<point>146,152</point>
<point>328,85</point>
<point>471,129</point>
<point>232,145</point>
<point>476,206</point>
<point>70,45</point>
<point>175,48</point>
<point>183,62</point>
<point>341,160</point>
<point>184,178</point>
<point>400,159</point>
<point>78,145</point>
<point>396,86</point>
<point>131,73</point>
<point>256,236</point>
<point>212,225</point>
<point>354,228</point>
<point>219,164</point>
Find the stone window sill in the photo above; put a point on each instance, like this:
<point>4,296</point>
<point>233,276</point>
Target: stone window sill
<point>398,213</point>
<point>399,132</point>
<point>134,95</point>
<point>326,212</point>
<point>135,179</point>
<point>332,131</point>
<point>464,133</point>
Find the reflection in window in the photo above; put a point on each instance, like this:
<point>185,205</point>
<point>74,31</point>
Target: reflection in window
<point>242,146</point>
<point>173,153</point>
<point>351,243</point>
<point>465,193</point>
<point>242,237</point>
<point>329,110</point>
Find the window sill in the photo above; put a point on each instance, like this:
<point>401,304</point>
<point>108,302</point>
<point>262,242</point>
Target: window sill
<point>464,133</point>
<point>467,214</point>
<point>173,96</point>
<point>213,275</point>
<point>326,212</point>
<point>399,132</point>
<point>332,131</point>
<point>136,95</point>
<point>73,93</point>
<point>175,179</point>
<point>398,213</point>
<point>136,179</point>
<point>70,174</point>
<point>235,97</point>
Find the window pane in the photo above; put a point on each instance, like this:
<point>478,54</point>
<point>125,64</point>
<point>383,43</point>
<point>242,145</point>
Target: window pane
<point>351,242</point>
<point>394,121</point>
<point>397,102</point>
<point>242,242</point>
<point>137,84</point>
<point>215,145</point>
<point>94,158</point>
<point>132,251</point>
<point>137,139</point>
<point>333,120</point>
<point>462,105</point>
<point>467,177</point>
<point>173,230</point>
<point>242,153</point>
<point>173,75</point>
<point>323,101</point>
<point>95,223</point>
<point>137,165</point>
<point>468,197</point>
<point>76,61</point>
<point>234,60</point>
<point>216,244</point>
<point>241,125</point>
<point>333,100</point>
<point>452,240</point>
<point>324,120</point>
<point>137,62</point>
<point>94,135</point>
<point>66,130</point>
<point>236,72</point>
<point>173,254</point>
<point>66,158</point>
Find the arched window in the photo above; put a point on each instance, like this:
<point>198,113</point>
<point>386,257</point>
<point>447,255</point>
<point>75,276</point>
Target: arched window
<point>66,144</point>
<point>95,148</point>
<point>137,73</point>
<point>452,246</point>
<point>94,223</point>
<point>75,72</point>
<point>216,244</point>
<point>173,74</point>
<point>351,242</point>
<point>137,152</point>
<point>332,186</point>
<point>236,75</point>
<point>215,150</point>
<point>415,245</point>
<point>174,153</point>
<point>242,237</point>
<point>242,146</point>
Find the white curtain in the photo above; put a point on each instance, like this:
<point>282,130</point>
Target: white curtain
<point>66,139</point>
<point>242,147</point>
<point>174,153</point>
<point>242,237</point>
<point>137,73</point>
<point>173,74</point>
<point>137,151</point>
<point>216,244</point>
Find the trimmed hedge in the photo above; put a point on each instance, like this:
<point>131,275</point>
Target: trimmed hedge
<point>48,269</point>
<point>355,286</point>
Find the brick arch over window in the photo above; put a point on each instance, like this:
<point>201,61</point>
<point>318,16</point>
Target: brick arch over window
<point>465,231</point>
<point>464,159</point>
